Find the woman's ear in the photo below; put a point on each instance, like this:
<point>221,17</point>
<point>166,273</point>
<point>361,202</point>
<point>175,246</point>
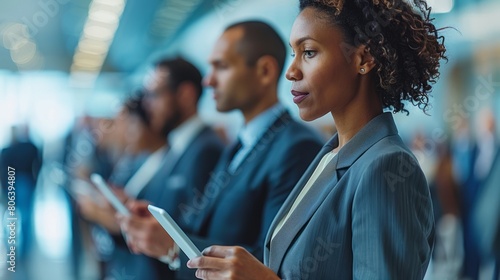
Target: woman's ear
<point>364,61</point>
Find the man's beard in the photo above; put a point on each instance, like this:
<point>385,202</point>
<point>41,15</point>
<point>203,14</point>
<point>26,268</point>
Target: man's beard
<point>172,123</point>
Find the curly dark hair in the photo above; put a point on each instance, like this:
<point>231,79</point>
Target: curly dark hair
<point>402,39</point>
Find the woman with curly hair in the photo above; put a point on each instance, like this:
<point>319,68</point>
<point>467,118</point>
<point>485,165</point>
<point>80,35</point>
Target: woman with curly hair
<point>363,209</point>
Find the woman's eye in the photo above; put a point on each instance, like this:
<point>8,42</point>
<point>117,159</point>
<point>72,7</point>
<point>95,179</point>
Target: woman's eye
<point>293,54</point>
<point>309,54</point>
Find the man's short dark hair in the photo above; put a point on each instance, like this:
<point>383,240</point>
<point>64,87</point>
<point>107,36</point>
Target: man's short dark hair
<point>260,39</point>
<point>181,71</point>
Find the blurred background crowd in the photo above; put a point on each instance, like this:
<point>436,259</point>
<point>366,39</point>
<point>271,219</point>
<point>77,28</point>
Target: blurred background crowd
<point>67,68</point>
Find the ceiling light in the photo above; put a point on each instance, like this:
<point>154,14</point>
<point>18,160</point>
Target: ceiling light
<point>104,16</point>
<point>98,32</point>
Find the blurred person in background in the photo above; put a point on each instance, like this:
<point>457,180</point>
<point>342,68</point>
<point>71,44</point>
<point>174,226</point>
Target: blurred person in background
<point>257,172</point>
<point>140,143</point>
<point>425,150</point>
<point>73,157</point>
<point>171,176</point>
<point>94,146</point>
<point>461,148</point>
<point>448,251</point>
<point>482,154</point>
<point>140,139</point>
<point>79,151</point>
<point>25,160</point>
<point>363,208</point>
<point>487,218</point>
<point>435,160</point>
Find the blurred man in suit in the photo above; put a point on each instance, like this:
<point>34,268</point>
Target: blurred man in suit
<point>480,155</point>
<point>258,171</point>
<point>171,175</point>
<point>24,159</point>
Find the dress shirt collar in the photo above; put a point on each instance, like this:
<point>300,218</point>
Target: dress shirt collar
<point>181,137</point>
<point>253,131</point>
<point>379,127</point>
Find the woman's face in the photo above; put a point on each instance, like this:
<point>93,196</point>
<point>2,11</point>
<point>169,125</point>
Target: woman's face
<point>323,75</point>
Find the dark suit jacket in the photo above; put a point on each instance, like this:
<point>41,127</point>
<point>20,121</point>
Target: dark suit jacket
<point>237,209</point>
<point>170,187</point>
<point>368,215</point>
<point>25,158</point>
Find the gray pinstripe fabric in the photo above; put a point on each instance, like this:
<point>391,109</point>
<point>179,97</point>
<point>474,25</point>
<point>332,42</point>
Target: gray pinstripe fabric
<point>368,216</point>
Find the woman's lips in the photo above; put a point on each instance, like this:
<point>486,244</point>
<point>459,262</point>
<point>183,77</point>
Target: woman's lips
<point>299,96</point>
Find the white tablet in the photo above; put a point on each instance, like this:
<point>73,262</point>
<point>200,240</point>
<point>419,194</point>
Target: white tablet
<point>108,194</point>
<point>179,237</point>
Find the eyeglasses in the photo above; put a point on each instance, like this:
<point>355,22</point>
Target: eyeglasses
<point>153,94</point>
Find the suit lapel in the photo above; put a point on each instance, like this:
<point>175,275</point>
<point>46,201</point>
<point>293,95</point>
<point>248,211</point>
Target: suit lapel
<point>175,158</point>
<point>293,195</point>
<point>302,214</point>
<point>218,179</point>
<point>267,138</point>
<point>170,161</point>
<point>378,128</point>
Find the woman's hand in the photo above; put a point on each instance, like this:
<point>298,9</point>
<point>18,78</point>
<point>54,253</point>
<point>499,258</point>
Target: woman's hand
<point>223,262</point>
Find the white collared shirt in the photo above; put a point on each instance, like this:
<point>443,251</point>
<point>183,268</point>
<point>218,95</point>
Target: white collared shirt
<point>145,173</point>
<point>184,134</point>
<point>319,169</point>
<point>253,131</point>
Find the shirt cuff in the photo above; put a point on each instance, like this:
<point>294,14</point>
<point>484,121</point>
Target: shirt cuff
<point>172,258</point>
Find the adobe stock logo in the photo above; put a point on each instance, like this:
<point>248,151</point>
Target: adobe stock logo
<point>323,249</point>
<point>48,9</point>
<point>17,36</point>
<point>483,93</point>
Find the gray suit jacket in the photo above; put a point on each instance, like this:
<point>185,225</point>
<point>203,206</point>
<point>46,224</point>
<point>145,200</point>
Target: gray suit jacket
<point>368,216</point>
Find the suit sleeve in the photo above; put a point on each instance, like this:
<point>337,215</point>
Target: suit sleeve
<point>197,176</point>
<point>392,222</point>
